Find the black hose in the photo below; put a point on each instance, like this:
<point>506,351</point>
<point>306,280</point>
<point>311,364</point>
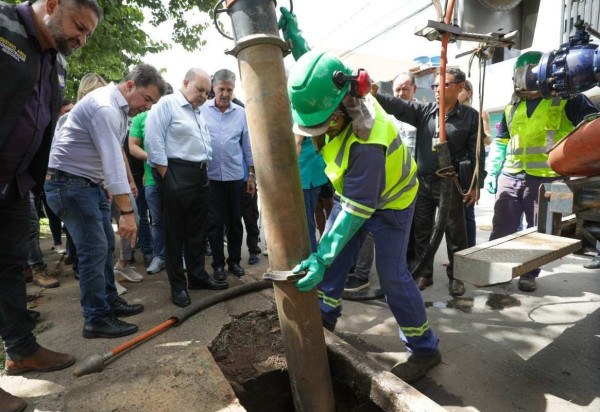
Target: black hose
<point>234,292</point>
<point>446,187</point>
<point>439,228</point>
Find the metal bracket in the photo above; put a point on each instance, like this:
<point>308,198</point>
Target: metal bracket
<point>255,39</point>
<point>435,30</point>
<point>283,275</point>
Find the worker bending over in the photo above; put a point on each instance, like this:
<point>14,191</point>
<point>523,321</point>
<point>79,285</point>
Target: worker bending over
<point>375,182</point>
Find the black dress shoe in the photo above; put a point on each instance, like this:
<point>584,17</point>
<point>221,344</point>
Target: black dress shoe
<point>220,275</point>
<point>181,299</point>
<point>456,287</point>
<point>206,283</point>
<point>236,269</point>
<point>120,308</point>
<point>423,282</point>
<point>108,327</point>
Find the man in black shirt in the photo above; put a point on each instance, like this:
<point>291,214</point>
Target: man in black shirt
<point>461,131</point>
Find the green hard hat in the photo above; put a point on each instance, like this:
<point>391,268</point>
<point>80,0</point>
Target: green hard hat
<point>313,94</point>
<point>528,58</point>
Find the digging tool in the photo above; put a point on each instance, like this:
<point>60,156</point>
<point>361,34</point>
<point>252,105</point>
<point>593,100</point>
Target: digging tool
<point>96,362</point>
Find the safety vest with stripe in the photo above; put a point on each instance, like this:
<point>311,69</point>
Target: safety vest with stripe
<point>532,137</point>
<point>400,168</point>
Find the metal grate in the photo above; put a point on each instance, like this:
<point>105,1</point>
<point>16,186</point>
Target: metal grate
<point>573,10</point>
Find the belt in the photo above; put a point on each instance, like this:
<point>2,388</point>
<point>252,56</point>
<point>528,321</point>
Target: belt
<point>59,173</point>
<point>201,165</point>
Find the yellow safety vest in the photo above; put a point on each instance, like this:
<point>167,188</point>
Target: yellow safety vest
<point>532,137</point>
<point>400,168</point>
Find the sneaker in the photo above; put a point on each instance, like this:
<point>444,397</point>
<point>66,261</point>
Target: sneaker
<point>127,273</point>
<point>253,259</point>
<point>156,266</point>
<point>43,279</point>
<point>414,367</point>
<point>121,290</point>
<point>527,284</point>
<point>354,284</point>
<point>59,249</point>
<point>265,252</point>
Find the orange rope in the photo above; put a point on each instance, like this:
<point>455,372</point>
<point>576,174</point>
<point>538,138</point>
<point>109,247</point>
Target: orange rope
<point>442,88</point>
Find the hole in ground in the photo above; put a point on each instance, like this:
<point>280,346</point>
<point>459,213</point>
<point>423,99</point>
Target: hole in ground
<point>250,353</point>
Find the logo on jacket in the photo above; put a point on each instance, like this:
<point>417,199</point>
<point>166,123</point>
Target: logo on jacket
<point>7,47</point>
<point>61,80</point>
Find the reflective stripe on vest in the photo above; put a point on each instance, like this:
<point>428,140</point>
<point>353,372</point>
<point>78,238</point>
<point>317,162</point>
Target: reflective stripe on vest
<point>532,137</point>
<point>400,169</point>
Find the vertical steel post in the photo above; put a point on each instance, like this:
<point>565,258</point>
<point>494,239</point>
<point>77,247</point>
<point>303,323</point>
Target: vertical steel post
<point>259,51</point>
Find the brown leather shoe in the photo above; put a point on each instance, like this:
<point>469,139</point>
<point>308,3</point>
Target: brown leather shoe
<point>44,360</point>
<point>10,403</point>
<point>456,287</point>
<point>423,282</point>
<point>43,279</point>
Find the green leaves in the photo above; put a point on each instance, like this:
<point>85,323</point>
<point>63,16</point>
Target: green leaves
<point>120,41</point>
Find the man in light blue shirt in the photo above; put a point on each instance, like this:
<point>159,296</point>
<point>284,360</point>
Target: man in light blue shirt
<point>231,150</point>
<point>86,161</point>
<point>179,149</point>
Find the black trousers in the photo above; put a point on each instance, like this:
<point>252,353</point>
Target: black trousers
<point>186,196</point>
<point>16,326</point>
<point>428,200</point>
<point>225,211</point>
<point>250,216</point>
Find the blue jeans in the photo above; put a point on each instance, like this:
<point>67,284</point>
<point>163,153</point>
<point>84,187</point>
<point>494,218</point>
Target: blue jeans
<point>84,209</point>
<point>154,201</point>
<point>144,234</point>
<point>390,229</point>
<point>310,203</point>
<point>16,325</point>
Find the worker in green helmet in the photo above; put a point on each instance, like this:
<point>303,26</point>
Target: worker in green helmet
<point>375,184</point>
<point>518,159</point>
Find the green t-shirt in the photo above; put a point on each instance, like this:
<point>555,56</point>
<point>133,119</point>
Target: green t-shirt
<point>138,125</point>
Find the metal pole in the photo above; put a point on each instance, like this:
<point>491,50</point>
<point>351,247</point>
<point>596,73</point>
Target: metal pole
<point>259,51</point>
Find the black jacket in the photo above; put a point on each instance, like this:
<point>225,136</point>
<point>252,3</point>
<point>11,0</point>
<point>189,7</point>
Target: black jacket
<point>19,71</point>
<point>461,132</point>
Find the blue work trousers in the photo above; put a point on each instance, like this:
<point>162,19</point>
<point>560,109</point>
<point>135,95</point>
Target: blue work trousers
<point>516,195</point>
<point>84,209</point>
<point>390,229</point>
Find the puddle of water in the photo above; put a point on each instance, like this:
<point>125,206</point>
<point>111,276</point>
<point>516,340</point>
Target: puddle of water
<point>499,301</point>
<point>462,304</point>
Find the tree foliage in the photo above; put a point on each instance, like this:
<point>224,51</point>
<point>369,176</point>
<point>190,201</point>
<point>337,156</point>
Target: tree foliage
<point>120,41</point>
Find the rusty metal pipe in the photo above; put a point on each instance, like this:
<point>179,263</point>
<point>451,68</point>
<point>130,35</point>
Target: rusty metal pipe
<point>259,51</point>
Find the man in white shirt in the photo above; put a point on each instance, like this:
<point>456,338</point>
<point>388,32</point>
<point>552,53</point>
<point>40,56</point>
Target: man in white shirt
<point>86,163</point>
<point>179,148</point>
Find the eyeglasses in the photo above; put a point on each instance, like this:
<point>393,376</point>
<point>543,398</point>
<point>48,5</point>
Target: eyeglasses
<point>437,86</point>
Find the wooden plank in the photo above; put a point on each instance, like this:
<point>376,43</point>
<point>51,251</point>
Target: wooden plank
<point>500,260</point>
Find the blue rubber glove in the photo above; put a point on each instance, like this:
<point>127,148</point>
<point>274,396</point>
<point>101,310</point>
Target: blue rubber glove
<point>288,23</point>
<point>343,229</point>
